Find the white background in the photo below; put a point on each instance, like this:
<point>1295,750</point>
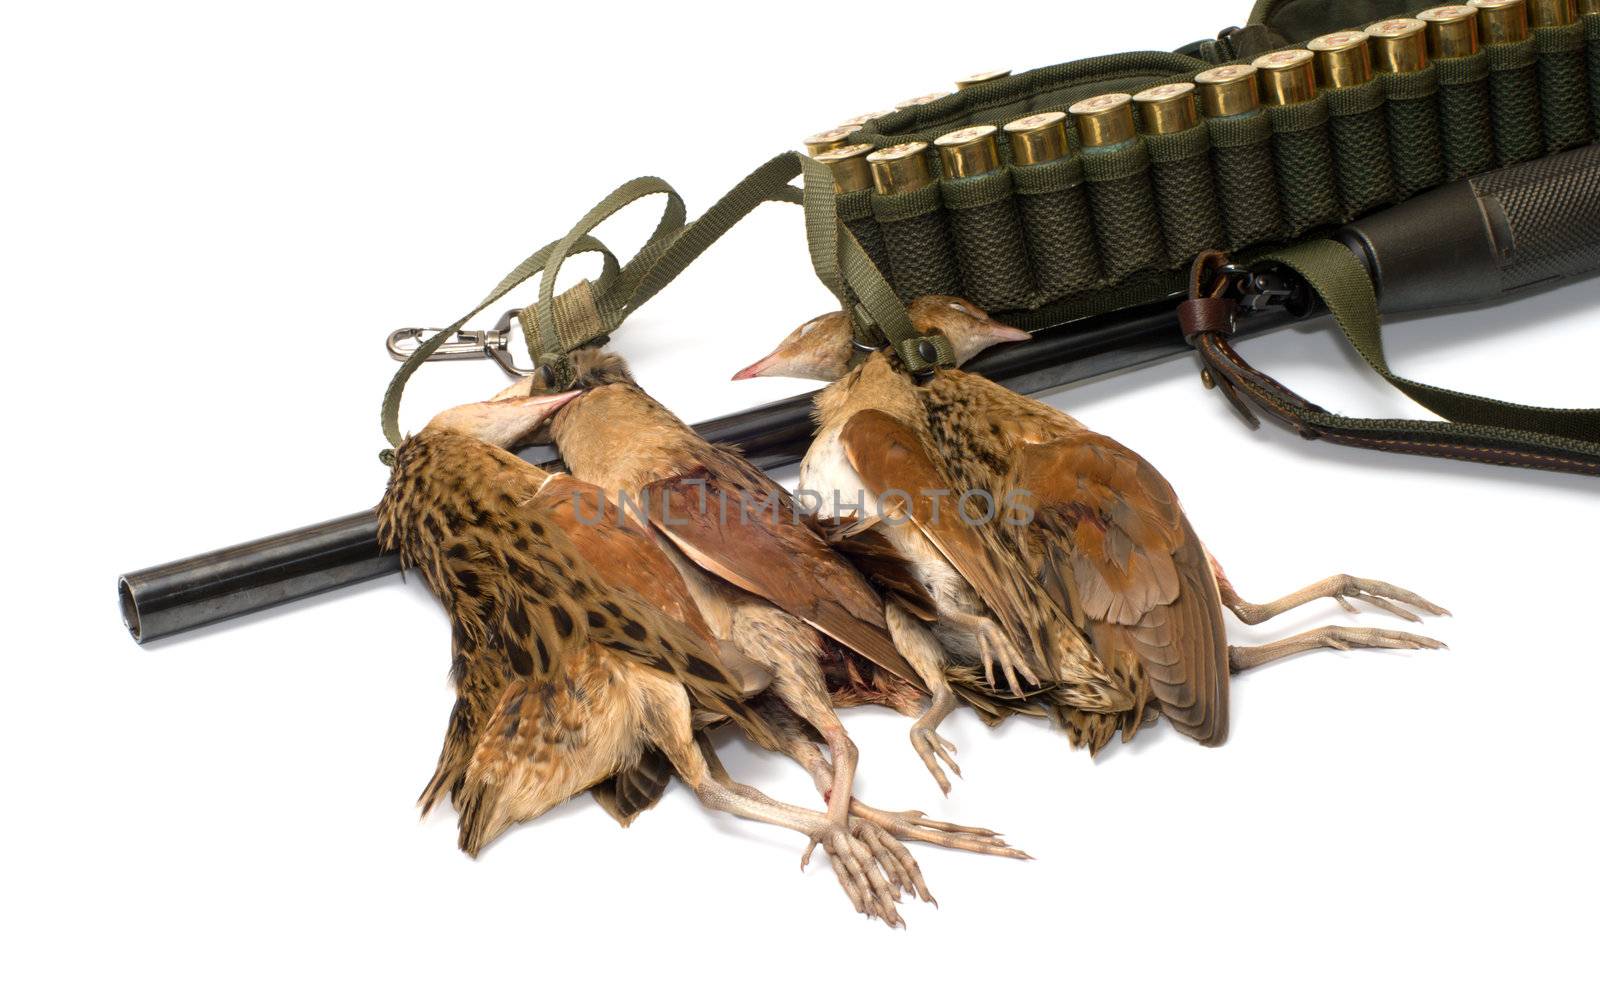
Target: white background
<point>214,213</point>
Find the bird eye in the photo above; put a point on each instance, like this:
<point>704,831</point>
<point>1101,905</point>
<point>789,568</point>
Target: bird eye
<point>806,328</point>
<point>959,307</point>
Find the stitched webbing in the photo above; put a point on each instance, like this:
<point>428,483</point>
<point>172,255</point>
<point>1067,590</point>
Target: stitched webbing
<point>1477,426</point>
<point>562,323</point>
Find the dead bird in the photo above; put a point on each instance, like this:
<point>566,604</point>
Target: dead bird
<point>763,578</point>
<point>1059,557</point>
<point>568,679</point>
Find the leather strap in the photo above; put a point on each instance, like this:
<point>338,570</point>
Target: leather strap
<point>1500,433</point>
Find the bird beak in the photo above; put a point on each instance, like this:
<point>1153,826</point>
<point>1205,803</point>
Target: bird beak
<point>1005,333</point>
<point>757,368</point>
<point>503,421</point>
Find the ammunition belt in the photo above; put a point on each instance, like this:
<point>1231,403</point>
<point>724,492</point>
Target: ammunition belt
<point>1092,186</point>
<point>1108,224</point>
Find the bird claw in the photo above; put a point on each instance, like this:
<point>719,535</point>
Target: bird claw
<point>873,868</point>
<point>1385,597</point>
<point>933,749</point>
<point>914,825</point>
<point>994,647</point>
<point>1345,638</point>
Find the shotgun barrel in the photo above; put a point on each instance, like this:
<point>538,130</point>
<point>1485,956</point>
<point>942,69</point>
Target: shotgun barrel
<point>1505,232</point>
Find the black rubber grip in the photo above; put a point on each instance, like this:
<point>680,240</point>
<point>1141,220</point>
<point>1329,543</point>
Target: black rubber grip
<point>1485,237</point>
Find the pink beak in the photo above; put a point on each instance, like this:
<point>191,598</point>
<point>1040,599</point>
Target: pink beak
<point>1006,333</point>
<point>755,369</point>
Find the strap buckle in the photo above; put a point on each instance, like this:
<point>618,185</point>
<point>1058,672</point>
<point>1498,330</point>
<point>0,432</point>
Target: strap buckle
<point>493,343</point>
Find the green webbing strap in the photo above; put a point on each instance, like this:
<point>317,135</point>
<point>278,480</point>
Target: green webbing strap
<point>524,271</point>
<point>838,258</point>
<point>1477,427</point>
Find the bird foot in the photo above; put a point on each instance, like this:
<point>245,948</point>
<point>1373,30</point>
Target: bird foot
<point>914,825</point>
<point>995,648</point>
<point>1384,596</point>
<point>1342,637</point>
<point>933,749</point>
<point>874,868</point>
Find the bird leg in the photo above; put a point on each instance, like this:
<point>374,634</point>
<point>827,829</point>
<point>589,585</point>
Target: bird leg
<point>994,646</point>
<point>907,825</point>
<point>1242,658</point>
<point>873,867</point>
<point>918,645</point>
<point>1384,596</point>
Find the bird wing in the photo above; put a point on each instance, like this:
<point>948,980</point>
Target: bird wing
<point>612,540</point>
<point>1109,535</point>
<point>737,524</point>
<point>892,462</point>
<point>863,542</point>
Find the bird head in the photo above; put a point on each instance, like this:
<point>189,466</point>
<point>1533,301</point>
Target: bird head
<point>821,348</point>
<point>507,420</point>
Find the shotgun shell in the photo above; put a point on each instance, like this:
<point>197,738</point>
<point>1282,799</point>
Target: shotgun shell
<point>981,78</point>
<point>1400,44</point>
<point>829,140</point>
<point>861,120</point>
<point>1228,90</point>
<point>1501,21</point>
<point>1552,13</point>
<point>901,168</point>
<point>924,99</point>
<point>1167,108</point>
<point>1452,31</point>
<point>1039,139</point>
<point>1288,77</point>
<point>1104,121</point>
<point>1343,59</point>
<point>968,152</point>
<point>851,173</point>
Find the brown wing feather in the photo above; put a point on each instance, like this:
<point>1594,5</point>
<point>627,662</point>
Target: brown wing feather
<point>614,541</point>
<point>1109,528</point>
<point>891,460</point>
<point>874,556</point>
<point>737,524</point>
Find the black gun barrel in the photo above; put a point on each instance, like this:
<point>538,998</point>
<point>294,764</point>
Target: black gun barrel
<point>1505,232</point>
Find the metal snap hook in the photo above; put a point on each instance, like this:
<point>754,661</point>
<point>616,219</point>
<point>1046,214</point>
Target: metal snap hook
<point>493,343</point>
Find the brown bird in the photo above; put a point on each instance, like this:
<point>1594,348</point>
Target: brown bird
<point>567,677</point>
<point>1058,557</point>
<point>763,578</point>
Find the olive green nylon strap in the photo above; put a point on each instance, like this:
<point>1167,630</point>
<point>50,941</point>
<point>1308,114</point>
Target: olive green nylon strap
<point>557,324</point>
<point>525,270</point>
<point>1476,422</point>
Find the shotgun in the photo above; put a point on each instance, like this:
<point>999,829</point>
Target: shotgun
<point>1506,232</point>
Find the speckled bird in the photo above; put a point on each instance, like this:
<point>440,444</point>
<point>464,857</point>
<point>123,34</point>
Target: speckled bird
<point>1060,571</point>
<point>568,678</point>
<point>764,580</point>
